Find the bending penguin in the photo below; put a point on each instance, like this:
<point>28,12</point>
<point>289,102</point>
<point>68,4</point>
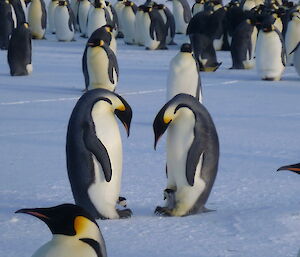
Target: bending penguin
<point>192,154</point>
<point>99,63</point>
<point>37,19</point>
<point>75,232</point>
<point>94,152</point>
<point>182,14</point>
<point>19,51</point>
<point>183,68</point>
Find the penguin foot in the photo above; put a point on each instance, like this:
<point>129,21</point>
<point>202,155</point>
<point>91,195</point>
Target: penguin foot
<point>122,201</point>
<point>124,214</point>
<point>162,211</point>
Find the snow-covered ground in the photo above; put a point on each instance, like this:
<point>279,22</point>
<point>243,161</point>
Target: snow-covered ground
<point>258,210</point>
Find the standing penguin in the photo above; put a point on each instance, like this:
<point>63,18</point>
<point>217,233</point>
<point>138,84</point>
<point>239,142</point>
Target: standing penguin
<point>270,52</point>
<point>292,35</point>
<point>94,152</point>
<point>19,9</point>
<point>182,14</point>
<point>82,16</point>
<point>139,25</point>
<point>64,21</point>
<point>6,23</point>
<point>37,19</point>
<point>183,68</point>
<point>119,6</point>
<point>243,45</point>
<point>128,22</point>
<point>154,30</point>
<point>75,232</point>
<point>113,17</point>
<point>19,51</point>
<point>50,14</point>
<point>101,64</point>
<point>198,6</point>
<point>296,60</point>
<point>192,153</point>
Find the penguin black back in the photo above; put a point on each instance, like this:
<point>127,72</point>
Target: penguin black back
<point>6,23</point>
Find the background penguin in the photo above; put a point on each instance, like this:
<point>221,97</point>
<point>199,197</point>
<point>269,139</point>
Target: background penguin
<point>75,232</point>
<point>128,22</point>
<point>19,9</point>
<point>119,6</point>
<point>154,30</point>
<point>37,18</point>
<point>6,24</point>
<point>169,21</point>
<point>198,6</point>
<point>82,16</point>
<point>19,51</point>
<point>182,14</point>
<point>296,59</point>
<point>94,152</point>
<point>50,14</point>
<point>243,45</point>
<point>183,68</point>
<point>74,4</point>
<point>139,25</point>
<point>64,21</point>
<point>270,51</point>
<point>113,17</point>
<point>292,35</point>
<point>192,153</point>
<point>102,66</point>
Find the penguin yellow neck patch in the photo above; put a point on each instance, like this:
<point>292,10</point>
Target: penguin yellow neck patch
<point>81,224</point>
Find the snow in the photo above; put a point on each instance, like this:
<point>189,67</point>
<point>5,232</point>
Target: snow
<point>257,210</point>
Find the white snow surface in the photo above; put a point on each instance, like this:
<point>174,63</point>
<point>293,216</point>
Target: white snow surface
<point>258,122</point>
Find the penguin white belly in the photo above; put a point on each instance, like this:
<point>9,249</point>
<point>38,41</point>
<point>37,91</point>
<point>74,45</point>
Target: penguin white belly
<point>292,38</point>
<point>183,76</point>
<point>83,11</point>
<point>128,18</point>
<point>297,60</point>
<point>250,61</point>
<point>178,16</point>
<point>149,43</point>
<point>119,6</point>
<point>61,21</point>
<point>113,45</point>
<point>65,246</point>
<point>104,195</point>
<point>96,20</point>
<point>268,56</point>
<point>35,19</point>
<point>29,68</point>
<point>14,16</point>
<point>163,15</point>
<point>138,28</point>
<point>218,43</point>
<point>97,63</point>
<point>51,9</point>
<point>248,5</point>
<point>179,140</point>
<point>197,8</point>
<point>278,24</point>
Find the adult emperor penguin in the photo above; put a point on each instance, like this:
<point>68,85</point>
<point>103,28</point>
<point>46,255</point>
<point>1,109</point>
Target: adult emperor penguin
<point>19,51</point>
<point>82,16</point>
<point>184,75</point>
<point>139,25</point>
<point>113,17</point>
<point>19,10</point>
<point>6,24</point>
<point>192,153</point>
<point>102,66</point>
<point>296,60</point>
<point>182,14</point>
<point>94,152</point>
<point>198,6</point>
<point>292,35</point>
<point>50,14</point>
<point>270,51</point>
<point>64,21</point>
<point>243,45</point>
<point>74,232</point>
<point>154,30</point>
<point>119,6</point>
<point>128,22</point>
<point>37,18</point>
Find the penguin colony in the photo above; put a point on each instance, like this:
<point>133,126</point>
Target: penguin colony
<point>261,35</point>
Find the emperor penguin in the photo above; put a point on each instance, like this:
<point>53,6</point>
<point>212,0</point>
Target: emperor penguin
<point>169,21</point>
<point>119,6</point>
<point>292,35</point>
<point>192,154</point>
<point>184,75</point>
<point>113,17</point>
<point>296,60</point>
<point>128,22</point>
<point>182,14</point>
<point>19,51</point>
<point>6,24</point>
<point>74,232</point>
<point>19,10</point>
<point>198,6</point>
<point>154,30</point>
<point>94,152</point>
<point>270,52</point>
<point>82,16</point>
<point>139,25</point>
<point>243,45</point>
<point>64,21</point>
<point>101,64</point>
<point>74,4</point>
<point>50,14</point>
<point>37,19</point>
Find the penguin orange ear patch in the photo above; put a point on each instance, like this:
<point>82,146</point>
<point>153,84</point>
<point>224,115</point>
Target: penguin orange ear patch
<point>80,224</point>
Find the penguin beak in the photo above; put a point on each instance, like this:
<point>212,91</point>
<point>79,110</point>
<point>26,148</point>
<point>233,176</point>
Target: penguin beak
<point>160,125</point>
<point>294,168</point>
<point>124,113</point>
<point>39,213</point>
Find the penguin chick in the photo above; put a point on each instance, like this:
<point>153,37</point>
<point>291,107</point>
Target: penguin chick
<point>75,232</point>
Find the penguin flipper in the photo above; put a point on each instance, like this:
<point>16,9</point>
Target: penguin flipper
<point>95,146</point>
<point>186,11</point>
<point>298,45</point>
<point>152,30</point>
<point>44,15</point>
<point>94,244</point>
<point>113,64</point>
<point>85,69</point>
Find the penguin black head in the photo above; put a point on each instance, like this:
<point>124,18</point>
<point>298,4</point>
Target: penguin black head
<point>294,167</point>
<point>268,23</point>
<point>158,6</point>
<point>128,3</point>
<point>62,3</point>
<point>124,113</point>
<point>96,42</point>
<point>65,219</point>
<point>148,9</point>
<point>186,48</point>
<point>98,4</point>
